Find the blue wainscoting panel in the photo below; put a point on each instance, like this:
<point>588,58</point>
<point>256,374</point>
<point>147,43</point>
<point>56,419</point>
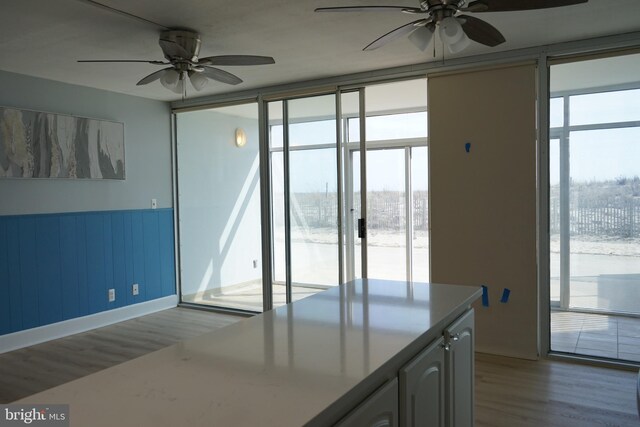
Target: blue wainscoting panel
<point>128,255</point>
<point>119,274</point>
<point>69,270</point>
<point>83,275</point>
<point>5,307</point>
<point>55,267</point>
<point>28,274</point>
<point>96,282</point>
<point>13,257</point>
<point>167,255</point>
<point>48,266</point>
<point>137,254</point>
<point>150,231</point>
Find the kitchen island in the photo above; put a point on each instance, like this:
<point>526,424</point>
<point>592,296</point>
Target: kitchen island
<point>357,353</point>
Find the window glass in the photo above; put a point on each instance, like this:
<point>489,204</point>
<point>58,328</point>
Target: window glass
<point>556,112</point>
<point>606,107</point>
<point>391,126</point>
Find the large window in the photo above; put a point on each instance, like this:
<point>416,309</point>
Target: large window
<point>594,202</point>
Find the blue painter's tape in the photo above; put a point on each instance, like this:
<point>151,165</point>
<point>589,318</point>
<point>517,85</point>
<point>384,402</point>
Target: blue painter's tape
<point>485,296</point>
<point>505,296</point>
<point>467,147</point>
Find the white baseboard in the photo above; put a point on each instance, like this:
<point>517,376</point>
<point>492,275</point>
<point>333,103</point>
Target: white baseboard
<point>65,328</point>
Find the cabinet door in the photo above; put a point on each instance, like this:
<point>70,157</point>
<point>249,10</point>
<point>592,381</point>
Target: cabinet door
<point>422,390</point>
<point>460,370</point>
<point>379,410</point>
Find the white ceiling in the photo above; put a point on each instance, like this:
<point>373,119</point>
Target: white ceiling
<point>45,38</point>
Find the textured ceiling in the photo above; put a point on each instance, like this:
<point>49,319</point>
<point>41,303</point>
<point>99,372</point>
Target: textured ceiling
<point>45,38</point>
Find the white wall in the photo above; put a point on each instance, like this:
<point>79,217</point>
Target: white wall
<point>483,202</point>
<point>219,200</point>
<point>147,136</point>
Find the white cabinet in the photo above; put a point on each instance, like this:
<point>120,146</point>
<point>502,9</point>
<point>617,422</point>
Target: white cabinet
<point>379,410</point>
<point>460,370</point>
<point>422,390</point>
<point>436,387</point>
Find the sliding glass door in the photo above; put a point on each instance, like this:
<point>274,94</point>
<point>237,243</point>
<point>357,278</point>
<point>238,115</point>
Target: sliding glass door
<point>395,184</point>
<point>345,180</point>
<point>594,203</point>
<point>304,186</point>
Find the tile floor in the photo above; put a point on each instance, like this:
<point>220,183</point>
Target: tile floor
<point>601,335</point>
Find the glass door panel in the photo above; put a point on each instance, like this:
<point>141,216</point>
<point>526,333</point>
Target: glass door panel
<point>350,103</point>
<point>604,222</point>
<point>396,182</point>
<point>420,202</point>
<point>304,210</point>
<point>278,234</point>
<point>554,222</point>
<point>313,198</point>
<point>386,214</point>
<point>219,208</point>
<point>314,207</point>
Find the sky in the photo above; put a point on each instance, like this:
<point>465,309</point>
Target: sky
<point>603,154</point>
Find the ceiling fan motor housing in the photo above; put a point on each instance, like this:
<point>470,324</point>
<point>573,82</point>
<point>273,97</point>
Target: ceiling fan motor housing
<point>188,40</point>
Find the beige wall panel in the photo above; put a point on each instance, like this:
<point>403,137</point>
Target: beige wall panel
<point>483,203</point>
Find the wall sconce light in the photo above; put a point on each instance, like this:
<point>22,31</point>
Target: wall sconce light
<point>241,138</point>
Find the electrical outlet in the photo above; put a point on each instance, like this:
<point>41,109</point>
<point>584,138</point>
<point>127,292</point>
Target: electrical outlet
<point>112,295</point>
<point>135,289</point>
<point>154,203</point>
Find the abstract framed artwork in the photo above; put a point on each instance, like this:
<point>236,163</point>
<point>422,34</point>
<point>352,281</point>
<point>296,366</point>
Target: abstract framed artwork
<point>36,144</point>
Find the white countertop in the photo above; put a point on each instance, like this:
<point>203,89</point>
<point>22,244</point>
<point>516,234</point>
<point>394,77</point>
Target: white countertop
<point>281,368</point>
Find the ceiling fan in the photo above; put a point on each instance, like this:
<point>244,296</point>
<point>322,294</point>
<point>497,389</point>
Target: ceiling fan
<point>181,49</point>
<point>455,29</point>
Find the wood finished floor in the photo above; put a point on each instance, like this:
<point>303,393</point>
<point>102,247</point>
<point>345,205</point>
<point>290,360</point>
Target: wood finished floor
<point>514,392</point>
<point>509,392</point>
<point>33,369</point>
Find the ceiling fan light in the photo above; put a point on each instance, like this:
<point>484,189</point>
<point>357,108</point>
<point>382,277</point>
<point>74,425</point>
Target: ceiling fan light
<point>450,30</point>
<point>460,45</point>
<point>421,37</point>
<point>178,87</point>
<point>198,80</point>
<point>170,79</point>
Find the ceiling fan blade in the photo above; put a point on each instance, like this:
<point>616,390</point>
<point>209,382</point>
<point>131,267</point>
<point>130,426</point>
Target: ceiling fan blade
<point>394,34</point>
<point>221,75</point>
<point>408,9</point>
<point>124,60</point>
<point>421,36</point>
<point>510,5</point>
<point>480,31</point>
<point>153,76</point>
<point>173,49</point>
<point>236,60</point>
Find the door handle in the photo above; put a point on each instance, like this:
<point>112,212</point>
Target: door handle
<point>362,228</point>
